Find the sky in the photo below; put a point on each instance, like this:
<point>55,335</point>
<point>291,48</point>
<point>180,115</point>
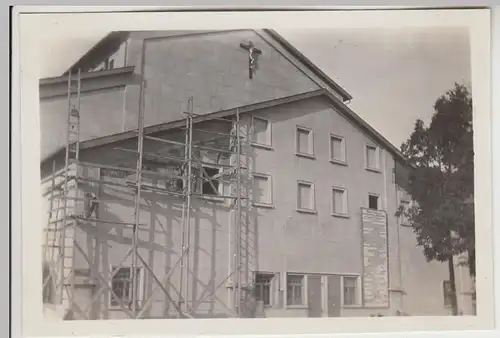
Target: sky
<point>394,76</point>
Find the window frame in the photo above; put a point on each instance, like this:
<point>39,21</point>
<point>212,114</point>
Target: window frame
<point>269,131</point>
<point>357,293</point>
<point>343,141</point>
<point>313,197</point>
<point>272,280</point>
<point>377,157</point>
<point>345,201</point>
<point>403,220</point>
<point>303,287</point>
<point>310,131</point>
<point>269,178</point>
<point>201,180</point>
<point>378,201</point>
<point>140,286</point>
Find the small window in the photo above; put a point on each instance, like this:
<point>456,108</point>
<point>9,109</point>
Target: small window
<point>48,291</point>
<point>403,218</point>
<point>305,141</point>
<point>210,181</point>
<point>339,201</point>
<point>111,64</point>
<point>338,149</point>
<point>121,284</point>
<point>350,290</point>
<point>263,283</point>
<point>372,157</point>
<point>305,196</point>
<point>294,290</point>
<point>447,293</point>
<point>373,202</point>
<point>261,131</point>
<point>262,189</point>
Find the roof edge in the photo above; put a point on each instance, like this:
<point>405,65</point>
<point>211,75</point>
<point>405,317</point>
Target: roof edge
<point>87,75</point>
<point>308,63</point>
<point>349,114</point>
<point>102,42</point>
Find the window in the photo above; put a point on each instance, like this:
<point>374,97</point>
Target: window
<point>261,131</point>
<point>263,288</point>
<point>338,149</point>
<point>294,288</point>
<point>404,219</point>
<point>121,284</point>
<point>373,202</point>
<point>48,296</point>
<point>305,196</point>
<point>350,290</point>
<point>210,181</point>
<point>447,293</point>
<point>262,189</point>
<point>339,202</point>
<point>372,157</point>
<point>305,141</point>
<point>111,64</point>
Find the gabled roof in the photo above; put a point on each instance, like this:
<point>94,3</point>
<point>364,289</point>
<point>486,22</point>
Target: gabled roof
<point>112,42</point>
<point>338,104</point>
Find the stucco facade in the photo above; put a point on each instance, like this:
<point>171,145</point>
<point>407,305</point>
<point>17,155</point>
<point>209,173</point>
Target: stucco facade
<point>319,242</point>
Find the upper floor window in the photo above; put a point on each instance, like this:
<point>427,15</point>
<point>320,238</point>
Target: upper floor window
<point>262,189</point>
<point>339,201</point>
<point>338,151</point>
<point>305,197</point>
<point>304,142</point>
<point>372,157</point>
<point>373,201</point>
<point>261,132</point>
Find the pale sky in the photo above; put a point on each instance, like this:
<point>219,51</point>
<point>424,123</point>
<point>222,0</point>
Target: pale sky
<point>394,76</point>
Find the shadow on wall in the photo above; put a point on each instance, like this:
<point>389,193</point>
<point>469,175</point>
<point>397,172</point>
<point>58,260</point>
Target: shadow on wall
<point>108,243</point>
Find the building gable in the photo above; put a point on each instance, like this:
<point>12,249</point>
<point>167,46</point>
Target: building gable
<point>212,67</point>
<point>158,130</point>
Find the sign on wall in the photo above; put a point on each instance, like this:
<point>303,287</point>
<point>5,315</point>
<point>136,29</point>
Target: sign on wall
<point>375,257</point>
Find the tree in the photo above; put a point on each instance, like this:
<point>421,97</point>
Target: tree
<point>441,182</point>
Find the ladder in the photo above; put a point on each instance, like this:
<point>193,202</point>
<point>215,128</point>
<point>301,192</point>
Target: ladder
<point>70,189</point>
<point>51,241</point>
<point>243,239</point>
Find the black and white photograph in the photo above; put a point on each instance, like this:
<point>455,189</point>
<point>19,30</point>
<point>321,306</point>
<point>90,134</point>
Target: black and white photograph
<point>260,173</point>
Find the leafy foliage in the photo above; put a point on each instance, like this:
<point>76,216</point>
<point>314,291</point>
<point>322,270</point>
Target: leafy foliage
<point>441,180</point>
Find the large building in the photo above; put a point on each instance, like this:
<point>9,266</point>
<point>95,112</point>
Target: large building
<point>222,174</point>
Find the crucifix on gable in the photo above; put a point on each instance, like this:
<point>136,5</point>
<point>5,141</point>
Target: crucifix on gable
<point>253,55</point>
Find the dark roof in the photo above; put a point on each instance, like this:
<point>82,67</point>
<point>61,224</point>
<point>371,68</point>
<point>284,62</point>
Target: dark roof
<point>338,104</point>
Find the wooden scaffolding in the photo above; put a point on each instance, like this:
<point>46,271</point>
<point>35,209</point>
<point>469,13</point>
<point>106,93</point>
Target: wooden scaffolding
<point>69,206</point>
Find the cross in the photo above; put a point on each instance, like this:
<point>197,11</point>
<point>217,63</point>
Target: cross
<point>253,54</point>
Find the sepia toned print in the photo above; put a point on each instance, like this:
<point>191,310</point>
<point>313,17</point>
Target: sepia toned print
<point>223,174</point>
